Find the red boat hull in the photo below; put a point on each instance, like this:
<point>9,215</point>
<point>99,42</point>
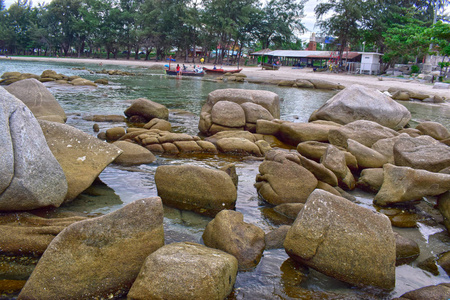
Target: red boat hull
<point>220,71</point>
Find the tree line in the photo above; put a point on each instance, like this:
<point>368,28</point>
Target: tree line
<point>146,26</point>
<point>401,29</point>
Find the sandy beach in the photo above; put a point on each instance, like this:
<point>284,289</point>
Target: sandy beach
<point>287,73</point>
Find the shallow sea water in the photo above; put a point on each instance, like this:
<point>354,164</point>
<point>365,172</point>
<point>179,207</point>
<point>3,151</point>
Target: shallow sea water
<point>276,277</point>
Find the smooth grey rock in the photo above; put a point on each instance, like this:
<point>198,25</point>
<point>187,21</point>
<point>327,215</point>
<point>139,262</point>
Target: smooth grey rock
<point>38,99</point>
<point>358,102</point>
<point>31,177</point>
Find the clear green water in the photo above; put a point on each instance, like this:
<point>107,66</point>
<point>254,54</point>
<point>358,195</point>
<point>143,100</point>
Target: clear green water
<point>275,277</point>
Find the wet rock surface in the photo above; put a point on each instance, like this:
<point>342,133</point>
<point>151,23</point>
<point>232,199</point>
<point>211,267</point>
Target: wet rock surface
<point>185,271</point>
<point>362,254</point>
<point>92,252</point>
<point>228,232</point>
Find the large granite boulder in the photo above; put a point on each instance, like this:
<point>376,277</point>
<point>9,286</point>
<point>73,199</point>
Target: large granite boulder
<point>30,176</point>
<point>358,102</point>
<point>147,110</point>
<point>98,257</point>
<point>185,271</point>
<point>402,184</point>
<point>283,179</point>
<point>344,241</point>
<point>422,152</point>
<point>362,131</point>
<point>81,156</point>
<point>228,232</point>
<point>237,109</point>
<point>200,189</point>
<point>38,99</point>
<point>295,133</point>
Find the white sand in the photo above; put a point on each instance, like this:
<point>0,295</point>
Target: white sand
<point>287,73</point>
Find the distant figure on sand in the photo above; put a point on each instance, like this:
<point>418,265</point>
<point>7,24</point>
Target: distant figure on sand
<point>178,70</point>
<point>202,60</point>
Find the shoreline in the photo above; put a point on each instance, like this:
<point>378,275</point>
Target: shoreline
<point>284,73</point>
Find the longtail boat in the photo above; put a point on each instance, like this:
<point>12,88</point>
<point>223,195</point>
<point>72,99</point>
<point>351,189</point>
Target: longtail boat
<point>220,71</point>
<point>186,73</point>
<point>267,66</point>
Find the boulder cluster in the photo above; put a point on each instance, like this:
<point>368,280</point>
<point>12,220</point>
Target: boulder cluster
<point>49,76</point>
<point>358,139</point>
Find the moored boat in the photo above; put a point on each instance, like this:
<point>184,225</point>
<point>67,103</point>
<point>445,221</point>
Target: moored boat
<point>186,73</point>
<point>220,71</point>
<point>267,66</point>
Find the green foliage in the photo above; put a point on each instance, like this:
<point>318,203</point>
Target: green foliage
<point>343,23</point>
<point>406,40</point>
<point>415,69</point>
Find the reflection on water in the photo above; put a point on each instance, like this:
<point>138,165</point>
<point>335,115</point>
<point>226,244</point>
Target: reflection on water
<point>276,277</point>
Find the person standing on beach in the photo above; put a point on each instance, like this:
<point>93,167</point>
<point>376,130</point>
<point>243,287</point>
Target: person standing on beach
<point>178,70</point>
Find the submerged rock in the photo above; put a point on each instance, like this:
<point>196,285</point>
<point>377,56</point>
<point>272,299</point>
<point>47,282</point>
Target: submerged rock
<point>100,256</point>
<point>344,241</point>
<point>185,271</point>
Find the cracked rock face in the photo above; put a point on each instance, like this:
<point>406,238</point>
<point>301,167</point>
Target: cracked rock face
<point>24,158</point>
<point>343,240</point>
